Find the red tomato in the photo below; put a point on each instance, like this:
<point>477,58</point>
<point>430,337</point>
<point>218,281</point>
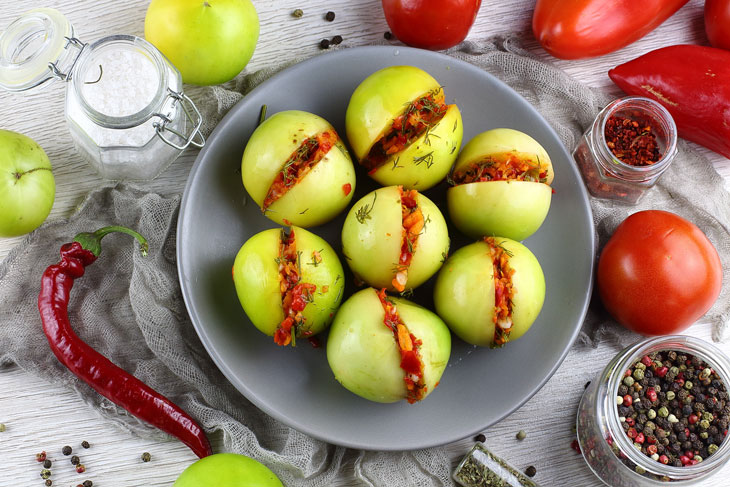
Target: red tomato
<point>431,24</point>
<point>658,273</point>
<point>573,29</point>
<point>717,22</point>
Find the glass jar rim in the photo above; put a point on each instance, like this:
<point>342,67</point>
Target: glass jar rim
<point>126,121</point>
<point>708,353</point>
<point>654,109</point>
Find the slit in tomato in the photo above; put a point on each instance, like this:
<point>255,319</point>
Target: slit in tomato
<point>295,295</point>
<point>508,166</point>
<point>413,222</point>
<point>300,162</point>
<point>409,347</point>
<point>503,291</point>
<point>420,115</point>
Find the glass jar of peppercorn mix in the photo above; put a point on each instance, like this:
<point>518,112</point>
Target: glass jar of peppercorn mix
<point>658,413</point>
<point>632,141</point>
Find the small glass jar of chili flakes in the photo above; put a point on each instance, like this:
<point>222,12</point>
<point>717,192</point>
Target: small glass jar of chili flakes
<point>632,141</point>
<point>657,413</point>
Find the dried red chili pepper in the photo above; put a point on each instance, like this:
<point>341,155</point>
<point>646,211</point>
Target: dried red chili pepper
<point>632,142</point>
<point>92,367</point>
<point>691,82</point>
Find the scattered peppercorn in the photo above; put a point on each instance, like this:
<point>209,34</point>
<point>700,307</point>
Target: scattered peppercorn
<point>66,450</point>
<point>146,457</point>
<point>388,36</point>
<point>75,460</point>
<point>40,457</point>
<point>324,44</point>
<point>85,444</point>
<point>88,483</point>
<point>49,482</point>
<point>530,471</point>
<point>45,473</point>
<point>337,40</point>
<point>80,468</point>
<point>521,435</point>
<point>297,13</point>
<point>2,427</point>
<point>329,16</point>
<point>47,463</point>
<point>480,438</point>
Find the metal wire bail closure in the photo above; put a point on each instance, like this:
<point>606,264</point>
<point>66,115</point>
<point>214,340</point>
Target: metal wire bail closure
<point>53,66</point>
<point>191,113</point>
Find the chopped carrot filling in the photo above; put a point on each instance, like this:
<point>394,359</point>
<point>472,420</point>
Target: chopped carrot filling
<point>503,291</point>
<point>295,295</point>
<point>419,116</point>
<point>302,160</point>
<point>508,166</point>
<point>413,222</point>
<point>409,348</point>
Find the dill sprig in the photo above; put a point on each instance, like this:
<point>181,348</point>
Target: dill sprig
<point>363,213</point>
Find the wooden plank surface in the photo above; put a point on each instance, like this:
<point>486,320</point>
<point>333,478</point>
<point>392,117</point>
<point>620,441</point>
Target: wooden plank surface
<point>42,416</point>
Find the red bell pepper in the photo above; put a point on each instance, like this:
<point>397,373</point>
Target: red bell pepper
<point>692,83</point>
<point>573,29</point>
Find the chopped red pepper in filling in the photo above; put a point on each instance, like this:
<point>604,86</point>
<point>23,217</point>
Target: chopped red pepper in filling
<point>503,291</point>
<point>295,295</point>
<point>419,116</point>
<point>302,160</point>
<point>408,346</point>
<point>508,166</point>
<point>412,218</point>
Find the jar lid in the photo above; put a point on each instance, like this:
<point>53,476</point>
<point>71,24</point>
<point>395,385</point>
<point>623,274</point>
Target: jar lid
<point>31,47</point>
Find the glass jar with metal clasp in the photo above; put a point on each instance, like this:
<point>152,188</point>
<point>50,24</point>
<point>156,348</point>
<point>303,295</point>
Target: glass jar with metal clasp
<point>125,106</point>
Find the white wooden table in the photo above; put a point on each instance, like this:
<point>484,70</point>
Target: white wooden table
<point>43,416</point>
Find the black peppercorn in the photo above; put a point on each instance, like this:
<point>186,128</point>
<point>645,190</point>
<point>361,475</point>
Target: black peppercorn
<point>480,438</point>
<point>49,482</point>
<point>329,16</point>
<point>47,463</point>
<point>336,40</point>
<point>75,460</point>
<point>388,35</point>
<point>530,471</point>
<point>66,450</point>
<point>85,444</point>
<point>146,457</point>
<point>324,44</point>
<point>88,483</point>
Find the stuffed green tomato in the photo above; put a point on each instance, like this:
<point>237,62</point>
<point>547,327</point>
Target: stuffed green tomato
<point>289,282</point>
<point>490,292</point>
<point>501,185</point>
<point>297,169</point>
<point>386,349</point>
<point>394,238</point>
<point>401,130</point>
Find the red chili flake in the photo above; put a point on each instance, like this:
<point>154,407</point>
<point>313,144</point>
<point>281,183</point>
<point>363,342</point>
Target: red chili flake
<point>286,222</point>
<point>346,188</point>
<point>632,141</point>
<point>575,445</point>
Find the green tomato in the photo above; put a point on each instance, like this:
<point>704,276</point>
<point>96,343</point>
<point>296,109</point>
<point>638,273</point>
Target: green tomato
<point>227,470</point>
<point>513,209</point>
<point>464,291</point>
<point>209,41</point>
<point>372,233</point>
<point>27,186</point>
<point>376,102</point>
<point>256,278</point>
<point>319,195</point>
<point>364,356</point>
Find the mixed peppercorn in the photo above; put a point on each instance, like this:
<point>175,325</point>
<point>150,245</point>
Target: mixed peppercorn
<point>674,408</point>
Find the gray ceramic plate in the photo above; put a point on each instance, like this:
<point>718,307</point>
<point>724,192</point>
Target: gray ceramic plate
<point>295,385</point>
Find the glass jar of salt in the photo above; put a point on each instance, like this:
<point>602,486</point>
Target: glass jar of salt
<point>125,106</point>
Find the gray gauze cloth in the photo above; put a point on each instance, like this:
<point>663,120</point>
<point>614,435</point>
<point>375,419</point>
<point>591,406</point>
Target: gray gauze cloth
<point>130,308</point>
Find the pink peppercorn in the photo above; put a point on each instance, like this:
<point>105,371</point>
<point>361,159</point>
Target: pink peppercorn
<point>651,394</point>
<point>631,433</point>
<point>664,459</point>
<point>651,449</point>
<point>628,400</point>
<point>661,371</point>
<point>646,361</point>
<point>640,438</point>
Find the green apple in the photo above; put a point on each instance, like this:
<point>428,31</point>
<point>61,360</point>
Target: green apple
<point>227,470</point>
<point>464,293</point>
<point>364,356</point>
<point>208,41</point>
<point>319,195</point>
<point>27,186</point>
<point>511,208</point>
<point>256,278</point>
<point>372,236</point>
<point>377,101</point>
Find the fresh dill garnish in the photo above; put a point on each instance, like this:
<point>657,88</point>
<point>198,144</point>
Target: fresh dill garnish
<point>363,213</point>
<point>303,212</point>
<point>395,163</point>
<point>427,158</point>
